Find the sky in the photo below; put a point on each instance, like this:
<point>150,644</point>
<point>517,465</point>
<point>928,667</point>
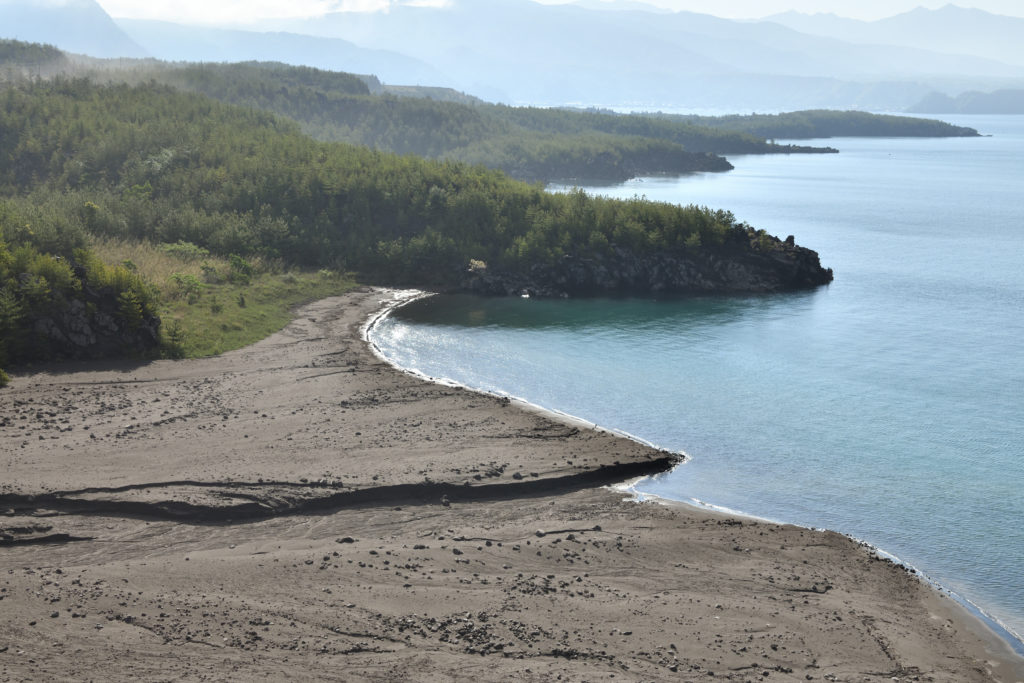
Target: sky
<point>243,11</point>
<point>855,9</point>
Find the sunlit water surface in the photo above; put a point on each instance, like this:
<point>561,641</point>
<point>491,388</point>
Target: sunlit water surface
<point>886,405</point>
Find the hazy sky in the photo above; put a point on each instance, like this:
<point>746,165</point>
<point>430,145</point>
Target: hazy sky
<point>857,9</point>
<point>236,11</point>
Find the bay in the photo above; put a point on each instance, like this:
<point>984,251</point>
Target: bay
<point>886,406</point>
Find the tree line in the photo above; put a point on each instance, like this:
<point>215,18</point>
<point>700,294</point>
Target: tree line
<point>150,162</point>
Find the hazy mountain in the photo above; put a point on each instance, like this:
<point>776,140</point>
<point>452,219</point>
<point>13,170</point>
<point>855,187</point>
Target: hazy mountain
<point>80,26</point>
<point>176,42</point>
<point>554,54</point>
<point>763,47</point>
<point>619,5</point>
<point>623,53</point>
<point>950,29</point>
<point>998,102</point>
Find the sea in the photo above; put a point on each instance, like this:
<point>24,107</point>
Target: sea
<point>888,405</point>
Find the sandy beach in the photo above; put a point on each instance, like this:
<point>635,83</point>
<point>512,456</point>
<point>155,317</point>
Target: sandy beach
<point>300,510</point>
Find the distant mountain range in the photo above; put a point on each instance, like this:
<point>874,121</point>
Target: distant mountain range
<point>951,29</point>
<point>79,26</point>
<point>177,42</point>
<point>998,102</point>
<point>566,53</point>
<point>621,54</point>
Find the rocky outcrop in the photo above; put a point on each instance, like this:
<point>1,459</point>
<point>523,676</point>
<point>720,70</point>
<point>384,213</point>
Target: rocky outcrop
<point>751,262</point>
<point>92,327</point>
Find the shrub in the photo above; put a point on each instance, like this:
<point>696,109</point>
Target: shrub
<point>189,286</point>
<point>241,270</point>
<point>210,275</point>
<point>172,340</point>
<point>130,309</point>
<point>186,251</point>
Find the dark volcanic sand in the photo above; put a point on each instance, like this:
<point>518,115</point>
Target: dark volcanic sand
<point>300,510</point>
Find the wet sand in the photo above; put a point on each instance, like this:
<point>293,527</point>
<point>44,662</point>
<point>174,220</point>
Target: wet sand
<point>300,510</point>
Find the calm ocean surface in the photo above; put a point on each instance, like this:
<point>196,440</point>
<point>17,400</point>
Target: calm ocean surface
<point>888,406</point>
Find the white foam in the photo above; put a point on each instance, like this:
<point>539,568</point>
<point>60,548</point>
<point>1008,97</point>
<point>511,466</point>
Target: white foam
<point>399,298</point>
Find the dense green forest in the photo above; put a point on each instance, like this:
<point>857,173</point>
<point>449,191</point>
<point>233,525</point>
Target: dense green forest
<point>80,160</point>
<point>528,143</point>
<point>823,123</point>
<point>151,162</point>
<point>271,163</point>
<point>13,52</point>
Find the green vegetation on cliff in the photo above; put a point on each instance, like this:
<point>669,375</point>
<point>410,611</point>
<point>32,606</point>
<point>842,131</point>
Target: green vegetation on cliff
<point>149,162</point>
<point>50,302</point>
<point>528,143</point>
<point>824,123</point>
<point>81,161</point>
<point>14,52</point>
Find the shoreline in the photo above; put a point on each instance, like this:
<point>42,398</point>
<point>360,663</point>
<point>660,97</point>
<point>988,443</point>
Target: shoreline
<point>520,402</point>
<point>1013,641</point>
<point>301,508</point>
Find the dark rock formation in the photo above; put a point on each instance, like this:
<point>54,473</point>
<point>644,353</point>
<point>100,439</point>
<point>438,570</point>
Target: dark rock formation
<point>91,327</point>
<point>751,262</point>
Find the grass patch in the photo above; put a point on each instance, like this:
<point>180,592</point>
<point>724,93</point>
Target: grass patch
<point>230,315</point>
<point>155,263</point>
<point>212,305</point>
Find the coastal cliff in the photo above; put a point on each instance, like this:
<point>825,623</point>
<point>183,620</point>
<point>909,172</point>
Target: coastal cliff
<point>749,262</point>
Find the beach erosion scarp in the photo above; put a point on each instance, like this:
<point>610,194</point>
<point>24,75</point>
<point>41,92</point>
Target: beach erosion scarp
<point>299,508</point>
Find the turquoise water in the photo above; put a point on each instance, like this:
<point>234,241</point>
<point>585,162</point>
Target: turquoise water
<point>887,406</point>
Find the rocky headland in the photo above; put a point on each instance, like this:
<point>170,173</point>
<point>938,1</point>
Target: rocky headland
<point>734,268</point>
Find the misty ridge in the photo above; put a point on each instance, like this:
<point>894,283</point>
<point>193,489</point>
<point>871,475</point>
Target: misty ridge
<point>625,55</point>
<point>265,147</point>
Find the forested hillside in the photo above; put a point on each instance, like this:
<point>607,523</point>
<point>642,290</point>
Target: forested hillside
<point>528,143</point>
<point>151,163</point>
<point>273,164</point>
<point>822,123</point>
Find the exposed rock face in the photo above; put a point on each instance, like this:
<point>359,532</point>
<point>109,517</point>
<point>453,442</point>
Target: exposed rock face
<point>91,328</point>
<point>751,263</point>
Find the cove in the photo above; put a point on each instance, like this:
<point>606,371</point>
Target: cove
<point>885,406</point>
